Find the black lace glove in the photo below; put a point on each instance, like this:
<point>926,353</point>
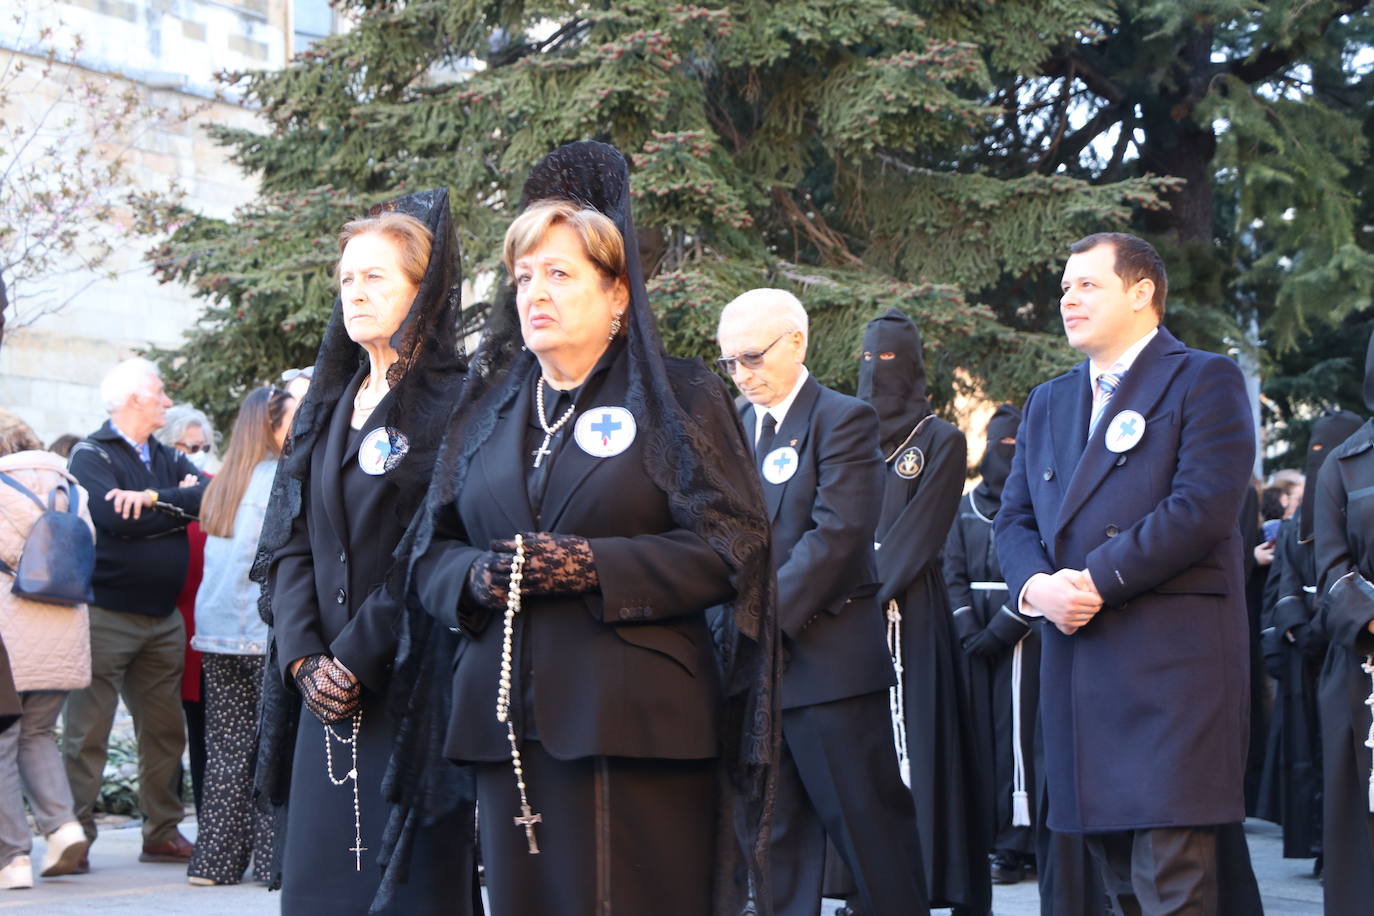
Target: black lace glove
<point>555,564</point>
<point>330,692</point>
<point>488,582</point>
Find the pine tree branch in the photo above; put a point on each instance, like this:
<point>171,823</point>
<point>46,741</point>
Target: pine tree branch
<point>1069,149</point>
<point>1257,68</point>
<point>815,227</point>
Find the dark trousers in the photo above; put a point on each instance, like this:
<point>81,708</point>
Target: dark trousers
<point>1162,872</point>
<point>838,777</point>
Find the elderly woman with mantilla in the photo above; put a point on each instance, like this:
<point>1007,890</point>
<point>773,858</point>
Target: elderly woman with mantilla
<point>617,479</point>
<point>362,451</point>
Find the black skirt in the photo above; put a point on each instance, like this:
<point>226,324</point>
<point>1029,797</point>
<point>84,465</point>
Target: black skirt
<point>616,835</point>
<point>319,874</point>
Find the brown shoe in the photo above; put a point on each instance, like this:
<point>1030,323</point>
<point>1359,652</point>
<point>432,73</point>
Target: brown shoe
<point>176,849</point>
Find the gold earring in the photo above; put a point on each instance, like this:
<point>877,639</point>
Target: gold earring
<point>615,324</point>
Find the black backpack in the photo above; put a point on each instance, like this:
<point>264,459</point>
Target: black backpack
<point>58,558</point>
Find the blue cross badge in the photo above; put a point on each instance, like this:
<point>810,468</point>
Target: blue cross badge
<point>1125,431</point>
<point>381,450</point>
<point>604,431</point>
<point>780,464</point>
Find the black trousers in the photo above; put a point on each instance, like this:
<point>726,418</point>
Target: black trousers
<point>838,777</point>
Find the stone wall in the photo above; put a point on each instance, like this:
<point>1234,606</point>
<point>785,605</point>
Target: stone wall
<point>169,51</point>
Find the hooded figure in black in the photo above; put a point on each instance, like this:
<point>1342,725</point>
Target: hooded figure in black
<point>1290,788</point>
<point>1001,658</point>
<point>1344,520</point>
<point>926,462</point>
<point>361,454</point>
<point>644,718</point>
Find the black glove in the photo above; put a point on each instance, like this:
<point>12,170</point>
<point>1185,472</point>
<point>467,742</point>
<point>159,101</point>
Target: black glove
<point>555,564</point>
<point>488,582</point>
<point>330,692</point>
<point>1002,633</point>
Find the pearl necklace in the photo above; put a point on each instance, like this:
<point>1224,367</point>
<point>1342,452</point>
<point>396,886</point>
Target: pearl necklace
<point>352,742</point>
<point>543,450</point>
<point>527,818</point>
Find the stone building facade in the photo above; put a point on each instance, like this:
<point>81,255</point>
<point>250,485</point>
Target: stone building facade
<point>168,51</point>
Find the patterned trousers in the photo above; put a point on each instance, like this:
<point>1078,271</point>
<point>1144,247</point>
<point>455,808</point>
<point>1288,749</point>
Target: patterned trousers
<point>230,828</point>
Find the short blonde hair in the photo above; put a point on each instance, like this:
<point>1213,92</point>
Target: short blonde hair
<point>411,237</point>
<point>601,239</point>
<point>16,435</point>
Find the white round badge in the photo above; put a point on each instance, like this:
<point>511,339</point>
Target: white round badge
<point>1125,431</point>
<point>605,431</point>
<point>780,464</point>
<point>381,450</point>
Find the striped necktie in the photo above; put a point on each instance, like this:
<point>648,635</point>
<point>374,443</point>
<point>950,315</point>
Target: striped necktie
<point>1107,383</point>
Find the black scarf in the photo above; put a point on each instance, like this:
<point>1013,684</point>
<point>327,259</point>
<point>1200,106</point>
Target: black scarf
<point>682,461</point>
<point>425,380</point>
<point>1328,431</point>
<point>996,464</point>
<point>896,387</point>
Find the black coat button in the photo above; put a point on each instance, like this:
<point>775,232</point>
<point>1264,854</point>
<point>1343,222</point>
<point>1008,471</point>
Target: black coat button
<point>1049,474</point>
<point>1120,460</point>
<point>1113,531</point>
<point>340,596</point>
<point>343,557</point>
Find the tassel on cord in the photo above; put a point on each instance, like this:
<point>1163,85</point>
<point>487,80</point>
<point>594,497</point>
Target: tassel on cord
<point>1368,666</point>
<point>896,701</point>
<point>1020,801</point>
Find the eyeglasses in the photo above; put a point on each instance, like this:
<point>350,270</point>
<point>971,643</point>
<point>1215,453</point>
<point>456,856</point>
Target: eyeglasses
<point>192,447</point>
<point>290,375</point>
<point>749,359</point>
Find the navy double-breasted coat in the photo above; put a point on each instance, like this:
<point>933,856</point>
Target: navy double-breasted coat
<point>1145,709</point>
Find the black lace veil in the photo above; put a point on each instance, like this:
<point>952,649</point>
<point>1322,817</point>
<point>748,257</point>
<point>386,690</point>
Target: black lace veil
<point>684,462</point>
<point>425,381</point>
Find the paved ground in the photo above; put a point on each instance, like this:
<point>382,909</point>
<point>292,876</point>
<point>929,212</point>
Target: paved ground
<point>120,886</point>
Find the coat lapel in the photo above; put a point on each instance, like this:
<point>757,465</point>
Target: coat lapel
<point>793,432</point>
<point>328,473</point>
<point>1070,411</point>
<point>504,461</point>
<point>572,465</point>
<point>1141,390</point>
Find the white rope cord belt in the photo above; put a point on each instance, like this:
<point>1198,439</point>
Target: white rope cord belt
<point>1368,666</point>
<point>1020,801</point>
<point>896,701</point>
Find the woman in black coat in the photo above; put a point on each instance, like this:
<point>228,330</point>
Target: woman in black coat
<point>361,455</point>
<point>596,501</point>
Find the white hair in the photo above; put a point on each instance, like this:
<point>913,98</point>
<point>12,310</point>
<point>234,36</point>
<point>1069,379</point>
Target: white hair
<point>777,304</point>
<point>179,418</point>
<point>126,380</point>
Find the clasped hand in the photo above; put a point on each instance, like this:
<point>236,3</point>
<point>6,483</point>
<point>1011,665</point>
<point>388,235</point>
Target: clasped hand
<point>555,564</point>
<point>1067,598</point>
<point>329,690</point>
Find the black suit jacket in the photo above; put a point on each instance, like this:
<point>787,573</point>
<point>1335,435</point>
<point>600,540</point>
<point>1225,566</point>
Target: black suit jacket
<point>328,596</point>
<point>628,670</point>
<point>823,518</point>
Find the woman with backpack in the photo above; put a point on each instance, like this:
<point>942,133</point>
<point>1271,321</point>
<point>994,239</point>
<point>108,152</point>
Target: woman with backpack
<point>50,654</point>
<point>233,638</point>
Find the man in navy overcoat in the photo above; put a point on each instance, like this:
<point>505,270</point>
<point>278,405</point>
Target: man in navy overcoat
<point>1118,526</point>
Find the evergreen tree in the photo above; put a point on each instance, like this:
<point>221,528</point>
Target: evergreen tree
<point>820,146</point>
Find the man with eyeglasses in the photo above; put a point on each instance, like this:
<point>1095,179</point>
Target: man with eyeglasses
<point>817,453</point>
